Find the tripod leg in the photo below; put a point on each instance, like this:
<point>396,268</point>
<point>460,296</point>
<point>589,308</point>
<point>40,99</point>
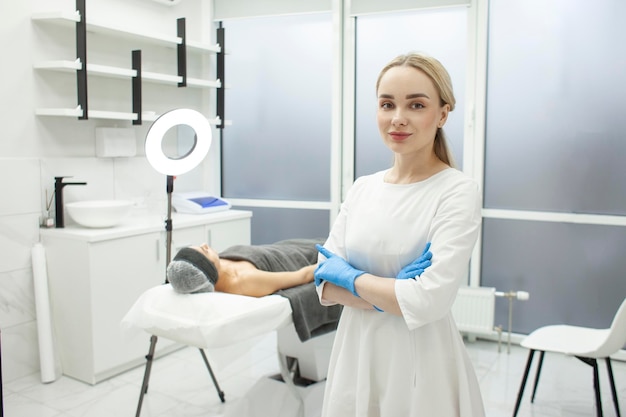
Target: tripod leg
<point>220,393</point>
<point>146,375</point>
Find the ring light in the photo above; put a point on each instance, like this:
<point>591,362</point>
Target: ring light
<point>154,150</point>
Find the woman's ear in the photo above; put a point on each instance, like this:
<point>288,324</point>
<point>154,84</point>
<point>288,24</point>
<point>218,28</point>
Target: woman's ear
<point>445,109</point>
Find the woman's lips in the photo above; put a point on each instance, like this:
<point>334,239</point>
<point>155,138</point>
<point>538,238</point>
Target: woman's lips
<point>399,136</point>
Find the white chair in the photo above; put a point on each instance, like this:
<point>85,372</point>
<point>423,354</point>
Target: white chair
<point>586,344</point>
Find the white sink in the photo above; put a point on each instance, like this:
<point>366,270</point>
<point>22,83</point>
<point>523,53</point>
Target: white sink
<point>99,213</point>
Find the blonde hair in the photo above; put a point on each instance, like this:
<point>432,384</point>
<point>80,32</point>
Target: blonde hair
<point>443,84</point>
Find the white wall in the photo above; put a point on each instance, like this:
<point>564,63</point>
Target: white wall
<point>34,149</point>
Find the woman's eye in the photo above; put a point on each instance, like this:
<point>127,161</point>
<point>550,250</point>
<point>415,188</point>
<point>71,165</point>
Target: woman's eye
<point>386,105</point>
<point>417,106</point>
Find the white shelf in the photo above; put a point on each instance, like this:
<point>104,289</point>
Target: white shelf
<point>71,18</point>
<point>57,17</point>
<point>76,112</point>
<point>196,82</point>
<point>146,116</point>
<point>61,65</point>
<point>109,71</point>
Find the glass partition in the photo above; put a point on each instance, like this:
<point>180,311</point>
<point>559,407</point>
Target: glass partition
<point>278,80</point>
<point>555,106</point>
<point>441,33</point>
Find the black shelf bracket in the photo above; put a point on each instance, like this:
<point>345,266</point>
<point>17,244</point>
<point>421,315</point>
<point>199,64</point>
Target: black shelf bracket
<point>136,85</point>
<point>221,60</point>
<point>220,93</point>
<point>81,54</point>
<point>182,51</point>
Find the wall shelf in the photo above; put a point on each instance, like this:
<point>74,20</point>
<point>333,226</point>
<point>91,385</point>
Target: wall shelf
<point>110,115</point>
<point>69,19</point>
<point>82,68</point>
<point>117,72</point>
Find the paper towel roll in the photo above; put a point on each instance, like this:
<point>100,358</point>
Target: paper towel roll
<point>47,358</point>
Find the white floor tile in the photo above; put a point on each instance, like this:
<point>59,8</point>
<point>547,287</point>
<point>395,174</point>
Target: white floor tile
<point>180,386</point>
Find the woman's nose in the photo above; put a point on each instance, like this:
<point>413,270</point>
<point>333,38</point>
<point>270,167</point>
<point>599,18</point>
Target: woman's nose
<point>398,118</point>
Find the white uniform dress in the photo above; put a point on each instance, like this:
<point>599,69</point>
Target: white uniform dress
<point>415,365</point>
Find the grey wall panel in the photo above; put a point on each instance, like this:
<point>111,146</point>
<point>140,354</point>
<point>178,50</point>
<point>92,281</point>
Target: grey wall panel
<point>575,274</point>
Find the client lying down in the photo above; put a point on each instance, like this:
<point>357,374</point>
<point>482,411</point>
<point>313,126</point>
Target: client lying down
<point>243,269</point>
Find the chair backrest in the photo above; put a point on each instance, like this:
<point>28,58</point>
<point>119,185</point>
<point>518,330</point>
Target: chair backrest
<point>616,338</point>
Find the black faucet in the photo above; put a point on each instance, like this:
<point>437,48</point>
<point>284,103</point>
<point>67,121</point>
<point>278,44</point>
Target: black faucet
<point>58,199</point>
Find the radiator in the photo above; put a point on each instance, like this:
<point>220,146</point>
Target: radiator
<point>474,310</point>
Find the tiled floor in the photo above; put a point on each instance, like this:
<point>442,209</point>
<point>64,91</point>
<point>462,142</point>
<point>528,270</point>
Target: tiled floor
<point>181,386</point>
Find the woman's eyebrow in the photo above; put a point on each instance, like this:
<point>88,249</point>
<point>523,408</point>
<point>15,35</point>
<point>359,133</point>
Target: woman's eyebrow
<point>408,96</point>
<point>417,95</point>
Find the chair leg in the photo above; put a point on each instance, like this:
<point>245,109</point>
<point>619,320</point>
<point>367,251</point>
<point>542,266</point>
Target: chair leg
<point>220,393</point>
<point>596,382</point>
<point>532,399</point>
<point>609,368</point>
<point>146,375</point>
<point>523,384</point>
<point>596,387</point>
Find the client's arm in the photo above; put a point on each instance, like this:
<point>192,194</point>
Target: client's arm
<point>257,283</point>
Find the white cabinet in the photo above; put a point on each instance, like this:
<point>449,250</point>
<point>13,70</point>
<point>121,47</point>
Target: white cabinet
<point>96,275</point>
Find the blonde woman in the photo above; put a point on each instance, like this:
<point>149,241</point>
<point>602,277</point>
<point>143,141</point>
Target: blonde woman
<point>397,350</point>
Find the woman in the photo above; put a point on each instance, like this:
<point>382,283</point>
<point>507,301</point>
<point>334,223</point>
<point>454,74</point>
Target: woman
<point>397,350</point>
<point>243,269</point>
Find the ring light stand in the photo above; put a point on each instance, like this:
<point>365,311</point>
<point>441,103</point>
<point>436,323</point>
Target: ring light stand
<point>172,167</point>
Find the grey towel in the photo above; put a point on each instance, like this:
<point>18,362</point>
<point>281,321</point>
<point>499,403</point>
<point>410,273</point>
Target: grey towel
<point>310,318</point>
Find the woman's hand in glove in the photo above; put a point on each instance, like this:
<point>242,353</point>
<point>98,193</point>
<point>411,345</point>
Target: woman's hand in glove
<point>417,267</point>
<point>336,271</point>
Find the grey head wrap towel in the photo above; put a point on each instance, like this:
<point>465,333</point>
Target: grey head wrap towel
<point>310,318</point>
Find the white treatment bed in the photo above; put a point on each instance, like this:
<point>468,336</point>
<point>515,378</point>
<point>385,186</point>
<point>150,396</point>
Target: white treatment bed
<point>216,320</point>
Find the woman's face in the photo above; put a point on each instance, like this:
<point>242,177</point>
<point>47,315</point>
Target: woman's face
<point>409,110</point>
<point>211,255</point>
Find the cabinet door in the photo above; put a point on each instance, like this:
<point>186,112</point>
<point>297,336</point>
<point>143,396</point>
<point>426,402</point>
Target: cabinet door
<point>188,236</point>
<point>121,270</point>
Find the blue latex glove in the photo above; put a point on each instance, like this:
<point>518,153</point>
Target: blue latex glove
<point>336,270</point>
<point>417,267</point>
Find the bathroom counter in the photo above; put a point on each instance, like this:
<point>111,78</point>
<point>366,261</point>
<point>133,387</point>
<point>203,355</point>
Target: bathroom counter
<point>96,275</point>
<point>140,224</point>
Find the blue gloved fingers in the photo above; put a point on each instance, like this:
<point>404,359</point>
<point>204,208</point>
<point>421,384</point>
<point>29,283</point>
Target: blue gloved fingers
<point>324,251</point>
<point>422,266</point>
<point>318,280</point>
<point>336,270</point>
<point>417,267</point>
<point>327,254</point>
<point>413,271</point>
<point>378,309</point>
